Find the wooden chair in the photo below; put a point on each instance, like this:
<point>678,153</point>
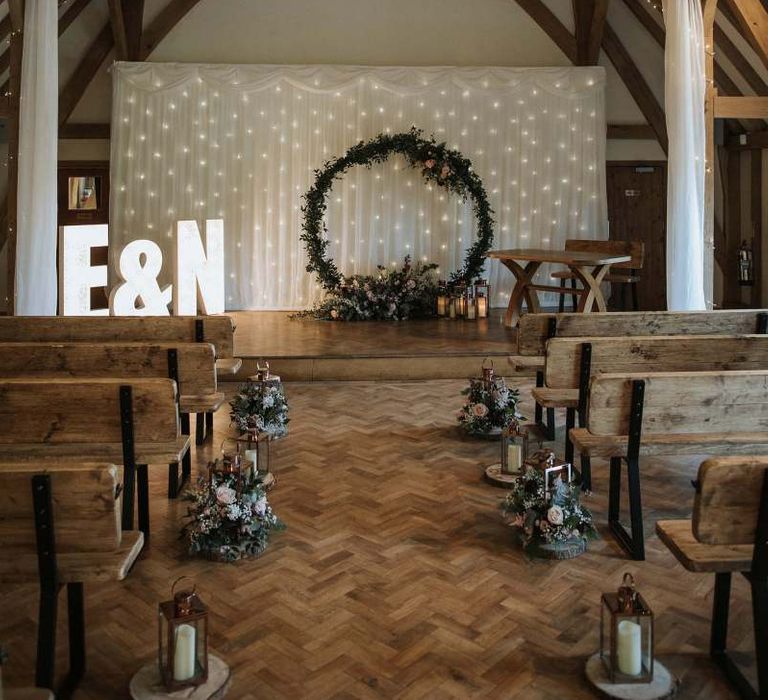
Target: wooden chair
<point>625,274</point>
<point>535,330</point>
<point>572,362</point>
<point>668,413</point>
<point>133,422</point>
<point>191,365</point>
<point>217,330</point>
<point>729,534</point>
<point>60,525</point>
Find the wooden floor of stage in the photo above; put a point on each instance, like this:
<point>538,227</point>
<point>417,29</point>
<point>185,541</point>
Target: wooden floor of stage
<point>302,349</point>
<point>395,577</point>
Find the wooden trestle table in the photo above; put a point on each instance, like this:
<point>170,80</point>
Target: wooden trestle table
<point>588,268</point>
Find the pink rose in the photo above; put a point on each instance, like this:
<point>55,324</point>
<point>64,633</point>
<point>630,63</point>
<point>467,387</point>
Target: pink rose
<point>429,164</point>
<point>225,495</point>
<point>334,313</point>
<point>445,172</point>
<point>480,410</point>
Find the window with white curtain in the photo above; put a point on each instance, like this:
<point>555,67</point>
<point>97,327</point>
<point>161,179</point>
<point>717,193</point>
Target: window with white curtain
<point>242,143</point>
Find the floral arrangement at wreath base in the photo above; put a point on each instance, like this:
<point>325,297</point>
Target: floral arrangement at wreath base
<point>261,407</point>
<point>556,528</point>
<point>490,406</point>
<point>228,521</point>
<point>388,295</point>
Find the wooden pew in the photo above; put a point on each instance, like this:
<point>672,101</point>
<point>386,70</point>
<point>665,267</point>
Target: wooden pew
<point>729,534</point>
<point>217,330</point>
<point>60,525</point>
<point>534,330</point>
<point>571,362</point>
<point>668,413</point>
<point>191,365</point>
<point>133,422</point>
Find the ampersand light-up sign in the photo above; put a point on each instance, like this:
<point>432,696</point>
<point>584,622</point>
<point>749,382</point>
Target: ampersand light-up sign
<point>198,273</point>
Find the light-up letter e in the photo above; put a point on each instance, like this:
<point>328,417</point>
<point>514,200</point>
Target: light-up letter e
<point>199,272</point>
<point>78,276</point>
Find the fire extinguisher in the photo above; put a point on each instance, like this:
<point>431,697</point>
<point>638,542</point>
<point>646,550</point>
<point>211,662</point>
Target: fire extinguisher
<point>746,265</point>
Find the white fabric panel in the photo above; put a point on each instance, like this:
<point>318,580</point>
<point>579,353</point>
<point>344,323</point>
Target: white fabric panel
<point>36,286</point>
<point>685,94</point>
<point>241,143</point>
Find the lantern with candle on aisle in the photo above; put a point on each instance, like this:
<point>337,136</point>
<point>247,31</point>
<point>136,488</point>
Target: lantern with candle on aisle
<point>183,640</point>
<point>443,298</point>
<point>255,446</point>
<point>626,635</point>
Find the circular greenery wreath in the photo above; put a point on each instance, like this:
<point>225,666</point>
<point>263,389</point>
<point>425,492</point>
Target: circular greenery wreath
<point>446,167</point>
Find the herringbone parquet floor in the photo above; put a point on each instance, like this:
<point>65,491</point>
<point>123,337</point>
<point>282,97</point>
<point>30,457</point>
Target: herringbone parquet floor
<point>395,578</point>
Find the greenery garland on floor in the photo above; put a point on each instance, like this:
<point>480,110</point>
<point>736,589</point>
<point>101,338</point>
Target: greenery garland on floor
<point>439,164</point>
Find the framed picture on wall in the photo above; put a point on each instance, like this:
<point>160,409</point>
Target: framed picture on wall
<point>83,192</point>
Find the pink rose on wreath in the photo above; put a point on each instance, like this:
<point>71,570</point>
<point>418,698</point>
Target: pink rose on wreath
<point>334,313</point>
<point>480,410</point>
<point>225,495</point>
<point>445,172</point>
<point>429,164</point>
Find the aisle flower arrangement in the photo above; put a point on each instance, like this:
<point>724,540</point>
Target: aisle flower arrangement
<point>539,521</point>
<point>227,520</point>
<point>261,407</point>
<point>395,294</point>
<point>490,406</point>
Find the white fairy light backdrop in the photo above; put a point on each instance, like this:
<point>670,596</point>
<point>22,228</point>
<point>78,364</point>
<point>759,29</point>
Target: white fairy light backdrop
<point>241,143</point>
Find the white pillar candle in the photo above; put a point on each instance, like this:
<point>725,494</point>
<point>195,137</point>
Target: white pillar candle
<point>628,649</point>
<point>253,457</point>
<point>514,458</point>
<point>184,658</point>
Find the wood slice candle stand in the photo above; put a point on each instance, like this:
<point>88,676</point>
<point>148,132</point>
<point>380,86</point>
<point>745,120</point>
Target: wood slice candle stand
<point>147,684</point>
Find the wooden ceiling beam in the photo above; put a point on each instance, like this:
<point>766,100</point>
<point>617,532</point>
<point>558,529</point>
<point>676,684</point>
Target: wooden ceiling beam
<point>84,72</point>
<point>641,132</point>
<point>84,131</point>
<point>596,29</point>
<point>582,19</point>
<point>71,14</point>
<point>119,35</point>
<point>636,84</point>
<point>16,13</point>
<point>552,26</point>
<point>748,107</point>
<point>133,12</point>
<point>168,18</point>
<point>752,17</point>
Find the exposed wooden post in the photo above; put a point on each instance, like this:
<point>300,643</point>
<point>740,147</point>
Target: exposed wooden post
<point>117,20</point>
<point>16,12</point>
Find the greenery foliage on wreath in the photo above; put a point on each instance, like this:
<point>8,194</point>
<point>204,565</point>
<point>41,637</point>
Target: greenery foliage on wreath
<point>227,524</point>
<point>489,405</point>
<point>541,521</point>
<point>439,164</point>
<point>261,407</point>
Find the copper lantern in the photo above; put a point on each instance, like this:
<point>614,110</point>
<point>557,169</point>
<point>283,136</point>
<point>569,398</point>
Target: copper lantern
<point>626,635</point>
<point>488,374</point>
<point>443,299</point>
<point>256,449</point>
<point>514,448</point>
<point>183,640</point>
<point>482,297</point>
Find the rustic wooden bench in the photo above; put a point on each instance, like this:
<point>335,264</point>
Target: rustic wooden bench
<point>133,422</point>
<point>60,525</point>
<point>668,413</point>
<point>217,330</point>
<point>571,362</point>
<point>191,365</point>
<point>729,534</point>
<point>534,330</point>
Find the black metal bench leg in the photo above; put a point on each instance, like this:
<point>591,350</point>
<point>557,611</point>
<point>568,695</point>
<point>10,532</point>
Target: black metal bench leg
<point>574,297</point>
<point>76,624</point>
<point>186,460</point>
<point>537,409</point>
<point>550,424</point>
<point>720,605</point>
<point>614,491</point>
<point>635,509</point>
<point>209,424</point>
<point>129,495</point>
<point>142,474</point>
<point>173,480</point>
<point>199,428</point>
<point>46,636</point>
<point>586,473</point>
<point>570,422</point>
<point>635,303</point>
<point>760,623</point>
<point>561,303</point>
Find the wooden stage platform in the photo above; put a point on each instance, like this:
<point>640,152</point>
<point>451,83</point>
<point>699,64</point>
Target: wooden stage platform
<point>310,350</point>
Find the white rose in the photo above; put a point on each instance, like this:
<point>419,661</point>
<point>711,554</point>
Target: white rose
<point>555,515</point>
<point>225,495</point>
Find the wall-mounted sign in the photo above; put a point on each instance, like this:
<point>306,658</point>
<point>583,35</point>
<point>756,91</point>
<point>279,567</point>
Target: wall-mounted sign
<point>198,273</point>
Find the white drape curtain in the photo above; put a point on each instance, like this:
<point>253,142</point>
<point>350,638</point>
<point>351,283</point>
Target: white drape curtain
<point>242,142</point>
<point>685,90</point>
<point>36,286</point>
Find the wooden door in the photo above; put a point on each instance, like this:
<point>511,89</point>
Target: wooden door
<point>637,211</point>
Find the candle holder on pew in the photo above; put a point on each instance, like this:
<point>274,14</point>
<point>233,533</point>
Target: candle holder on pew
<point>625,665</point>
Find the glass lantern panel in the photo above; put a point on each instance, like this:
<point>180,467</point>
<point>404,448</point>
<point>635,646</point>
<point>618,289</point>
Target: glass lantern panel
<point>201,649</point>
<point>185,653</point>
